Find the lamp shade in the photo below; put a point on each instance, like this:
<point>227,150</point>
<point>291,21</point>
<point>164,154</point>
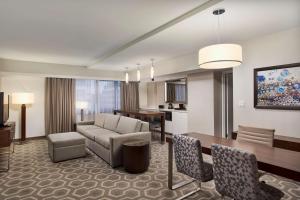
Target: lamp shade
<point>126,78</point>
<point>22,98</point>
<point>81,104</point>
<point>138,75</point>
<point>220,56</point>
<point>152,72</point>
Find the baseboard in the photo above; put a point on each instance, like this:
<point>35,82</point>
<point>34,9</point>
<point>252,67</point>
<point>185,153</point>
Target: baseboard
<point>31,138</point>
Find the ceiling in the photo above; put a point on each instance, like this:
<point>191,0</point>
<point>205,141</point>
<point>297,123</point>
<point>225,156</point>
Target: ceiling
<point>78,33</point>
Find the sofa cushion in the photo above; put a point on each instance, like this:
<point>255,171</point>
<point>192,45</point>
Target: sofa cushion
<point>102,137</point>
<point>111,121</point>
<point>128,125</point>
<point>86,131</point>
<point>99,119</point>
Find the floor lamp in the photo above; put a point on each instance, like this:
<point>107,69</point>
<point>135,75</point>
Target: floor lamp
<point>81,105</point>
<point>23,99</point>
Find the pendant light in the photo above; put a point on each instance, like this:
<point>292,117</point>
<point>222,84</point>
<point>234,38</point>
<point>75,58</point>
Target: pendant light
<point>220,56</point>
<point>152,70</point>
<point>138,73</point>
<point>126,76</point>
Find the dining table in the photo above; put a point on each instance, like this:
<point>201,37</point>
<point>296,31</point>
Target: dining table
<point>281,162</point>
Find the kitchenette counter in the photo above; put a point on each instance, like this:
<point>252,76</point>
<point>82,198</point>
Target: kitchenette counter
<point>164,109</point>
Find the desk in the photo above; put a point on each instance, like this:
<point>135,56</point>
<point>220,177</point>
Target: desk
<point>146,115</point>
<point>274,160</point>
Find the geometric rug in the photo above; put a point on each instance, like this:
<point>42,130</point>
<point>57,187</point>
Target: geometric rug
<point>32,176</point>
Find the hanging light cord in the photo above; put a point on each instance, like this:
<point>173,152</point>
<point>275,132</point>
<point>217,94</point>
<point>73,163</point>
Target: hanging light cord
<point>219,35</point>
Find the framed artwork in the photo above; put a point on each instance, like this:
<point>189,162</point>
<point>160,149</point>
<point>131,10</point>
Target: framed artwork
<point>277,87</point>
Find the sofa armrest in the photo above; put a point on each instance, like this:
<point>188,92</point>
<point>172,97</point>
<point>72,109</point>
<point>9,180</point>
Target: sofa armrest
<point>116,143</point>
<point>85,123</point>
<point>144,126</point>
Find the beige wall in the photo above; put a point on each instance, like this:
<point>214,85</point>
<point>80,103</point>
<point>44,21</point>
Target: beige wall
<point>201,103</point>
<point>35,125</point>
<point>276,49</point>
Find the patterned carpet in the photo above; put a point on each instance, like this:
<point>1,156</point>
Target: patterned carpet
<point>33,176</point>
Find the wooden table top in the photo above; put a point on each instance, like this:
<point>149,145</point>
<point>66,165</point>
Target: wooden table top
<point>140,112</point>
<point>270,159</point>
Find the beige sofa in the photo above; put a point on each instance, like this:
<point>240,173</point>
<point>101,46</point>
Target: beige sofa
<point>108,132</point>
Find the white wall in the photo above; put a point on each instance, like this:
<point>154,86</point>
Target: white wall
<point>35,124</point>
<point>201,103</point>
<point>275,49</point>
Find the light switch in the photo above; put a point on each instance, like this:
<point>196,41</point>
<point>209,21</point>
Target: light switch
<point>241,103</point>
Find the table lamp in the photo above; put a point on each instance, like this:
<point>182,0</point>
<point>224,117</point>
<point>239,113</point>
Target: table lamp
<point>82,105</point>
<point>23,99</point>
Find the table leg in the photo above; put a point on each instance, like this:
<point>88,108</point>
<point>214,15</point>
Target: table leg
<point>162,132</point>
<point>170,165</point>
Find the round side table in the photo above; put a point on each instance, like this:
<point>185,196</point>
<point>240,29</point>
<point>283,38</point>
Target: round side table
<point>136,156</point>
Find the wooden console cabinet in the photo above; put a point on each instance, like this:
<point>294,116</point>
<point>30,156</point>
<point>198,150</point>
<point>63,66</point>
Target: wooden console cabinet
<point>5,142</point>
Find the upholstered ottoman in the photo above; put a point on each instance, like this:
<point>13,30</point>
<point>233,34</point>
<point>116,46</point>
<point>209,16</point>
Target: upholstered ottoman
<point>65,146</point>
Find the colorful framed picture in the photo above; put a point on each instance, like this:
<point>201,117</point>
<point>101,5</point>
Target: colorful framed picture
<point>277,87</point>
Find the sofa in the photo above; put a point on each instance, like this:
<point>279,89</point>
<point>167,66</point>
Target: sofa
<point>108,132</point>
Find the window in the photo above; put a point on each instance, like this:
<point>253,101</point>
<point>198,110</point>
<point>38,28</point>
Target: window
<point>108,96</point>
<point>96,97</point>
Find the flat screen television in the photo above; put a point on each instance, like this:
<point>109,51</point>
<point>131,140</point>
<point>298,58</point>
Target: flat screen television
<point>4,108</point>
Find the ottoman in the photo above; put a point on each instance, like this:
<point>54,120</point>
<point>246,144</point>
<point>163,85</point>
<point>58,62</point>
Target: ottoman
<point>65,146</point>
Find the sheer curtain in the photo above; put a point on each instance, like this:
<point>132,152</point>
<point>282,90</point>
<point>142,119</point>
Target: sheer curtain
<point>95,96</point>
<point>180,92</point>
<point>108,96</point>
<point>86,96</point>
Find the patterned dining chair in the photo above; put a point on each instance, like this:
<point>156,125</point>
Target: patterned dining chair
<point>235,175</point>
<point>189,160</point>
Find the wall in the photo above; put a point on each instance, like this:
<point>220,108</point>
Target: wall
<point>218,104</point>
<point>35,125</point>
<point>275,49</point>
<point>201,103</point>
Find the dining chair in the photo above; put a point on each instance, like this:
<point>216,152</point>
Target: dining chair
<point>189,160</point>
<point>235,175</point>
<point>256,135</point>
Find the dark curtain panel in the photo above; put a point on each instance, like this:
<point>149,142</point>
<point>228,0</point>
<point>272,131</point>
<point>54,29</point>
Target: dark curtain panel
<point>130,96</point>
<point>171,96</point>
<point>59,105</point>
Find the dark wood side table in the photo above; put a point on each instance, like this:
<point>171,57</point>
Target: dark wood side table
<point>136,156</point>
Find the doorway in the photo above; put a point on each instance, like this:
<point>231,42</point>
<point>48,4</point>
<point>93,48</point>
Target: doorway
<point>227,104</point>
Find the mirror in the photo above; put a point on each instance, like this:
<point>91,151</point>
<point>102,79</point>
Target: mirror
<point>176,91</point>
